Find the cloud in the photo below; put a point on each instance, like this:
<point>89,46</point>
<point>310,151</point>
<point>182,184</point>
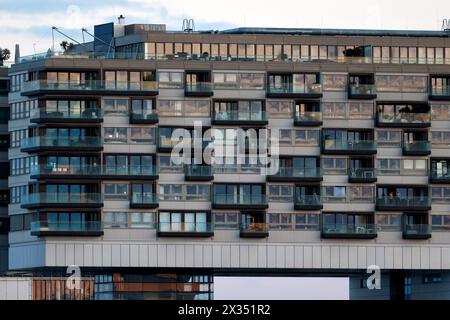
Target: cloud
<point>29,22</point>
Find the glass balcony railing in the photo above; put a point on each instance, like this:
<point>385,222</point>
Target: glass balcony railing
<point>88,85</point>
<point>292,172</point>
<point>185,227</point>
<point>308,116</point>
<point>362,90</point>
<point>145,116</point>
<point>308,200</point>
<point>57,142</point>
<point>404,118</point>
<point>349,229</point>
<point>403,202</point>
<point>343,145</point>
<point>440,92</point>
<point>230,199</point>
<point>199,87</point>
<point>198,171</point>
<point>144,199</point>
<point>87,114</point>
<point>66,226</point>
<point>168,142</point>
<point>311,89</point>
<point>93,170</point>
<point>59,198</point>
<point>249,228</point>
<point>240,116</point>
<point>417,230</point>
<point>439,175</point>
<point>362,173</point>
<point>417,146</point>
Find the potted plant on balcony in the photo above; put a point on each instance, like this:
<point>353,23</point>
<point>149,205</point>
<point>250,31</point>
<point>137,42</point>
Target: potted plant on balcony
<point>5,54</point>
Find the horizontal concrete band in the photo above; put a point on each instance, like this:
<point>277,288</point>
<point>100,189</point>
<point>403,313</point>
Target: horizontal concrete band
<point>228,255</point>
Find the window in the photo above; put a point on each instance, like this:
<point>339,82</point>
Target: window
<point>440,195</point>
<point>360,110</point>
<point>280,109</point>
<point>440,139</point>
<point>334,110</point>
<point>115,106</point>
<point>388,138</point>
<point>142,135</point>
<point>334,82</point>
<point>252,80</point>
<point>115,220</point>
<point>334,194</point>
<point>21,110</point>
<point>171,192</point>
<point>143,106</point>
<point>440,112</point>
<point>440,222</point>
<point>196,192</point>
<point>17,80</point>
<point>388,222</point>
<point>116,191</point>
<point>306,221</point>
<point>401,83</point>
<point>20,222</point>
<point>281,193</point>
<point>21,166</point>
<point>17,193</point>
<point>184,221</point>
<point>225,80</point>
<point>280,221</point>
<point>226,220</point>
<point>388,166</point>
<point>167,166</point>
<point>115,135</point>
<point>336,166</point>
<point>432,278</point>
<point>170,80</point>
<point>361,193</point>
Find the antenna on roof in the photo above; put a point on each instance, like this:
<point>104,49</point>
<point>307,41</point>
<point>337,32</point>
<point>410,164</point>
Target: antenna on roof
<point>188,25</point>
<point>446,25</point>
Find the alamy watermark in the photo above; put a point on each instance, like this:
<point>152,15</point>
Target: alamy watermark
<point>216,147</point>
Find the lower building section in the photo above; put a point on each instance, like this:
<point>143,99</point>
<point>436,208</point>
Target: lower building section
<point>122,284</point>
<point>403,285</point>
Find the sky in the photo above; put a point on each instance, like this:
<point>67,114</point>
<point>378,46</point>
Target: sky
<point>264,288</point>
<point>29,22</point>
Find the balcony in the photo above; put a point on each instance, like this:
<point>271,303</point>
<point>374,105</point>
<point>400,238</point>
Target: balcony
<point>313,91</point>
<point>86,116</point>
<point>240,118</point>
<point>438,94</point>
<point>308,202</point>
<point>185,229</point>
<point>416,148</point>
<point>308,119</point>
<point>144,201</point>
<point>94,172</point>
<point>342,147</point>
<point>439,176</point>
<point>90,87</point>
<point>199,89</point>
<point>416,231</point>
<point>348,231</point>
<point>254,230</point>
<point>362,175</point>
<point>297,175</point>
<point>150,117</point>
<point>387,203</point>
<point>198,173</point>
<point>231,201</point>
<point>66,229</point>
<point>362,91</point>
<point>403,120</point>
<point>68,144</point>
<point>166,144</point>
<point>65,200</point>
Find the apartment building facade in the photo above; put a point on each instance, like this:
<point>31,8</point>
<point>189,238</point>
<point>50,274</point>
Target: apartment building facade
<point>363,126</point>
<point>4,167</point>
